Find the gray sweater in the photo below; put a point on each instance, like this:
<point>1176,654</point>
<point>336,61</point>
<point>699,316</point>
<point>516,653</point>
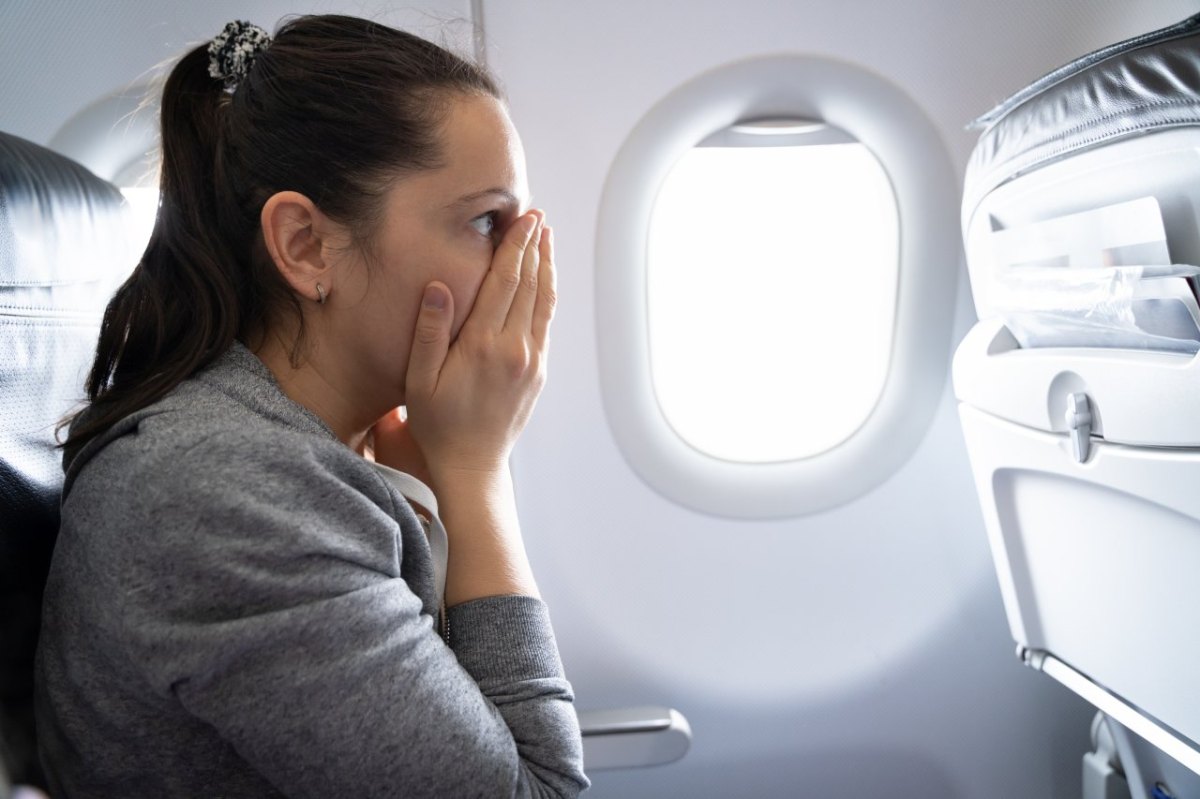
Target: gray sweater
<point>240,606</point>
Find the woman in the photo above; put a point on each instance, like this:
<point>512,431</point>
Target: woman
<point>243,600</point>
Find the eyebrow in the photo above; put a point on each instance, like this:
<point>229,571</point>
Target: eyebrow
<point>507,195</point>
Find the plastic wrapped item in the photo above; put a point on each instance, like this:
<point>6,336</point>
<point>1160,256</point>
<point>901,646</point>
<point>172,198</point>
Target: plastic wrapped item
<point>1128,307</point>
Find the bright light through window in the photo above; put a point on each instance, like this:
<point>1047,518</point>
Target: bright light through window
<point>144,205</point>
<point>771,289</point>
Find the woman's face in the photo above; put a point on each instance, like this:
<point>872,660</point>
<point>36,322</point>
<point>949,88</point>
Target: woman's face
<point>438,224</point>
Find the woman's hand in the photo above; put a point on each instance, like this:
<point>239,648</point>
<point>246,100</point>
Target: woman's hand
<point>469,401</point>
<point>392,444</point>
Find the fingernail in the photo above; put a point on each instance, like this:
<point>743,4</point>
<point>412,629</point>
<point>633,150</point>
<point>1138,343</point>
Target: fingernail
<point>530,222</point>
<point>435,298</point>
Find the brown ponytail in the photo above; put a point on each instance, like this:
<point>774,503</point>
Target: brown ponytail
<point>335,108</point>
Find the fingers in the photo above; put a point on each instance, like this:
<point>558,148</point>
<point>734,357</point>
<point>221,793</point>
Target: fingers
<point>547,287</point>
<point>504,277</point>
<point>431,340</point>
<point>521,312</point>
<point>390,423</point>
<point>396,447</point>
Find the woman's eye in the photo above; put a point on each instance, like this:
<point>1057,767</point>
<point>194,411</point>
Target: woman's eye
<point>485,224</point>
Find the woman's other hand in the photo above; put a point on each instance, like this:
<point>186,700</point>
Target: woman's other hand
<point>392,444</point>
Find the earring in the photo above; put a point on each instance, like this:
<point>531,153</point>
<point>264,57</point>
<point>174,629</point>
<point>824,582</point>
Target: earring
<point>320,295</point>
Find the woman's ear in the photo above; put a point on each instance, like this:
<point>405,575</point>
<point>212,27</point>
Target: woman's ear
<point>293,230</point>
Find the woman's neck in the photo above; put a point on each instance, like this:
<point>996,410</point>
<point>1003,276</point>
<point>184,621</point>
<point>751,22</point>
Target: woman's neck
<point>316,386</point>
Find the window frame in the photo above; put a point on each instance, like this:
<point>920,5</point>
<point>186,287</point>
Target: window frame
<point>882,117</point>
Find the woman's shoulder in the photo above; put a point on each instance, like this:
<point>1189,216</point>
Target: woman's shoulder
<point>228,434</point>
<point>199,438</point>
<point>200,475</point>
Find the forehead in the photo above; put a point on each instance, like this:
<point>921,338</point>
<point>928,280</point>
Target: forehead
<point>480,151</point>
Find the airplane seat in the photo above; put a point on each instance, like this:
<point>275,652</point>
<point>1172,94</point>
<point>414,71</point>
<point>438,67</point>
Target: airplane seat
<point>64,247</point>
<point>1079,391</point>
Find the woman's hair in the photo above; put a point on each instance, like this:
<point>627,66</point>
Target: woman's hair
<point>334,108</point>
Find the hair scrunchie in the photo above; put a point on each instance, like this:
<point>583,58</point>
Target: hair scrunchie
<point>231,53</point>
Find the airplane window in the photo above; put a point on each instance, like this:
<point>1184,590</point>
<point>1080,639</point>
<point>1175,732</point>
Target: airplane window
<point>776,276</point>
<point>771,274</point>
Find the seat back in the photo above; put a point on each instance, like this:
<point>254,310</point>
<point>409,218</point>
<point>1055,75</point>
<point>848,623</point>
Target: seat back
<point>64,247</point>
<point>1078,385</point>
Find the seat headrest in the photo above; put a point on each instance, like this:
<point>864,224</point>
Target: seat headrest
<point>61,228</point>
<point>65,245</point>
<point>1141,85</point>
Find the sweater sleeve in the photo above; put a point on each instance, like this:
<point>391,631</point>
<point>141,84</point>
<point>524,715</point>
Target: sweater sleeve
<point>275,605</point>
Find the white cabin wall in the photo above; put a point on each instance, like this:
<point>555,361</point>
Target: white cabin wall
<point>60,57</point>
<point>862,651</point>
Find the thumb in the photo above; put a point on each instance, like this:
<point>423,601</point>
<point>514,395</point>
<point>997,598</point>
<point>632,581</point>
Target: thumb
<point>431,340</point>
